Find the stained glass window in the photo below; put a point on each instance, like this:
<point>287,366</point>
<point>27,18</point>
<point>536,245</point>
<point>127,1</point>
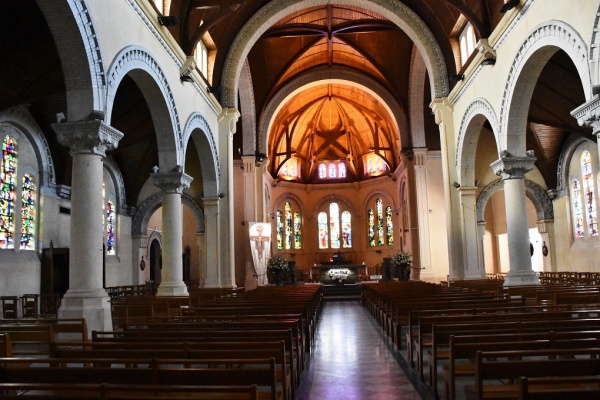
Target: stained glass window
<point>346,230</point>
<point>279,229</point>
<point>588,192</point>
<point>335,229</point>
<point>380,230</point>
<point>332,171</point>
<point>323,233</point>
<point>322,171</point>
<point>389,225</point>
<point>341,170</point>
<point>110,228</point>
<point>28,213</point>
<point>297,231</point>
<point>8,178</point>
<point>577,210</point>
<point>371,222</point>
<point>334,225</point>
<point>287,210</point>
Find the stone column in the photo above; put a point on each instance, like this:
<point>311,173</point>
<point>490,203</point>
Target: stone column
<point>588,114</point>
<point>172,185</point>
<point>86,298</point>
<point>512,171</point>
<point>211,232</point>
<point>419,160</point>
<point>443,110</point>
<point>480,246</point>
<point>227,127</point>
<point>252,202</point>
<point>471,241</point>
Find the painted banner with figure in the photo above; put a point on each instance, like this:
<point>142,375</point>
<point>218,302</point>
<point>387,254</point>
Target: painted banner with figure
<point>260,246</point>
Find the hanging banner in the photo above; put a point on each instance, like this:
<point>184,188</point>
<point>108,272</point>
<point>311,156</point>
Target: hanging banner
<point>260,246</point>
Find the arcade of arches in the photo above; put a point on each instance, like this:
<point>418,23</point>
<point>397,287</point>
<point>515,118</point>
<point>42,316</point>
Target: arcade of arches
<point>138,149</point>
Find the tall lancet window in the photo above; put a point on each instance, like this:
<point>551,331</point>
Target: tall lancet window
<point>577,210</point>
<point>588,192</point>
<point>279,223</point>
<point>110,228</point>
<point>8,180</point>
<point>390,225</point>
<point>28,196</point>
<point>335,228</point>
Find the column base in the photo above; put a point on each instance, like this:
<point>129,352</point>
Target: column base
<point>520,278</point>
<point>93,305</point>
<point>172,289</point>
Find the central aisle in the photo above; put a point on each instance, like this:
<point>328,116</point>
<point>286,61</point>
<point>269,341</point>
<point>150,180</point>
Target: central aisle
<point>351,360</point>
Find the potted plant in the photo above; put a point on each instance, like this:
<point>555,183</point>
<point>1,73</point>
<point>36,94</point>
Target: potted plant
<point>277,265</point>
<point>403,261</point>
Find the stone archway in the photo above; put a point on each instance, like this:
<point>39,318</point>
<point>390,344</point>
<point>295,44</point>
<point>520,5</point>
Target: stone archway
<point>396,12</point>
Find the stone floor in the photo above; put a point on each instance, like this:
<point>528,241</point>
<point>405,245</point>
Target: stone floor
<point>353,360</point>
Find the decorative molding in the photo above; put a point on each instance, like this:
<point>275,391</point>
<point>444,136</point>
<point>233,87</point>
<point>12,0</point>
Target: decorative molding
<point>197,121</point>
<point>513,24</point>
<point>135,57</point>
<point>549,34</point>
<point>588,115</point>
<point>171,182</point>
<point>509,167</point>
<point>139,221</point>
<point>110,165</point>
<point>465,150</point>
<point>282,197</point>
<point>398,114</point>
<point>172,55</point>
<point>395,11</point>
<point>375,192</point>
<point>87,137</point>
<point>20,118</point>
<point>569,147</point>
<point>540,198</point>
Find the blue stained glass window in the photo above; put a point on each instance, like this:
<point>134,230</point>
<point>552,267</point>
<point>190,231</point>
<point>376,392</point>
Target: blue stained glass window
<point>8,179</point>
<point>28,196</point>
<point>110,228</point>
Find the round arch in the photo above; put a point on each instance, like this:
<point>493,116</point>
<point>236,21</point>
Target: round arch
<point>478,112</point>
<point>198,130</point>
<point>531,58</point>
<point>292,196</point>
<point>396,12</point>
<point>137,63</point>
<point>381,193</point>
<point>342,75</point>
<point>115,174</point>
<point>140,220</point>
<point>21,119</point>
<point>334,198</point>
<point>79,51</point>
<point>538,196</point>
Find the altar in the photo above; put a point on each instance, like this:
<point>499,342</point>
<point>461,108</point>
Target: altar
<point>332,273</point>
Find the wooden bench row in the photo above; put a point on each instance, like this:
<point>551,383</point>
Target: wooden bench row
<point>260,372</point>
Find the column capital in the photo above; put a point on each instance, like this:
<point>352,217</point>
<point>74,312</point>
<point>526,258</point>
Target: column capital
<point>588,115</point>
<point>229,116</point>
<point>87,137</point>
<point>441,107</point>
<point>511,167</point>
<point>172,182</point>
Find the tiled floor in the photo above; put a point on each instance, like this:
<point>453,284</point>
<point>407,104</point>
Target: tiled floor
<point>352,360</point>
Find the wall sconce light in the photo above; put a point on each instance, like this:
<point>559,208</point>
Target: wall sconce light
<point>509,5</point>
<point>489,61</point>
<point>457,77</point>
<point>213,89</point>
<point>168,20</point>
<point>456,185</point>
<point>186,78</point>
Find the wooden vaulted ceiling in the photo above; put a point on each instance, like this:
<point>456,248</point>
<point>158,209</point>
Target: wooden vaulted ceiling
<point>321,37</point>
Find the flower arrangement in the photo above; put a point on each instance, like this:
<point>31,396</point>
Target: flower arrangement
<point>402,258</point>
<point>277,263</point>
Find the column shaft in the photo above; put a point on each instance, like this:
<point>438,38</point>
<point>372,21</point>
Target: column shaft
<point>516,225</point>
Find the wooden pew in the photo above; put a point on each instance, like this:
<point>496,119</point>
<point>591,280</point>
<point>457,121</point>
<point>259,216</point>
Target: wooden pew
<point>192,351</point>
<point>464,348</point>
<point>89,391</point>
<point>578,388</point>
<point>5,345</point>
<point>34,337</point>
<point>260,372</point>
<point>496,366</point>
